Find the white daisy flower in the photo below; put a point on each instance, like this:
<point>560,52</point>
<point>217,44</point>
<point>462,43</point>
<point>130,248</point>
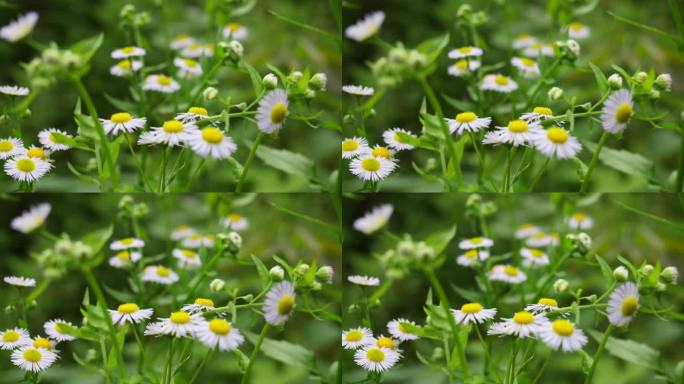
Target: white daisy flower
<point>19,28</point>
<point>498,83</point>
<point>358,90</point>
<point>14,338</point>
<point>538,49</point>
<point>272,111</point>
<point>211,142</point>
<point>127,243</point>
<point>394,141</point>
<point>196,50</point>
<point>11,147</point>
<point>473,313</point>
<point>370,168</point>
<point>122,122</point>
<point>537,114</point>
<point>125,67</point>
<point>463,66</point>
<point>523,41</point>
<point>523,324</point>
<point>507,274</point>
<point>556,140</point>
<point>33,359</point>
<point>181,232</point>
<point>562,334</point>
<point>580,220</point>
<point>397,328</point>
<point>159,274</point>
<point>187,258</point>
<point>197,240</point>
<point>383,341</point>
<point>218,333</point>
<point>354,146</point>
<point>37,153</point>
<point>544,305</point>
<point>235,222</point>
<point>356,338</point>
<point>472,257</point>
<point>517,132</point>
<point>376,359</point>
<point>179,324</point>
<point>189,68</point>
<point>160,83</point>
<point>617,111</point>
<point>27,169</point>
<point>47,138</point>
<point>129,313</point>
<point>124,259</point>
<point>13,90</point>
<point>20,281</point>
<point>463,52</point>
<point>467,122</point>
<point>363,280</point>
<point>476,242</point>
<point>172,133</point>
<point>181,41</point>
<point>199,305</point>
<point>235,31</point>
<point>375,219</point>
<point>280,303</point>
<point>526,230</point>
<point>126,52</point>
<point>533,257</point>
<point>43,343</point>
<point>32,219</point>
<point>192,115</point>
<point>527,67</point>
<point>623,304</point>
<point>539,240</point>
<point>55,330</point>
<point>578,31</point>
<point>366,27</point>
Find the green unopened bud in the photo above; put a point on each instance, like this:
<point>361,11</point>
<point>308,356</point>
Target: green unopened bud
<point>270,81</point>
<point>295,76</point>
<point>406,248</point>
<point>302,269</point>
<point>316,286</point>
<point>621,273</point>
<point>437,354</point>
<point>670,275</point>
<point>592,298</point>
<point>660,287</point>
<point>640,77</point>
<point>325,274</point>
<point>210,93</point>
<point>663,82</point>
<point>431,164</point>
<point>9,310</point>
<point>319,82</point>
<point>646,269</point>
<point>235,50</point>
<point>277,273</point>
<point>555,93</point>
<point>217,285</point>
<point>615,81</point>
<point>91,355</point>
<point>424,251</point>
<point>560,285</point>
<point>127,10</point>
<point>654,94</point>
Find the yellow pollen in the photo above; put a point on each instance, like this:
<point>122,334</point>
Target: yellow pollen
<point>233,27</point>
<point>523,317</point>
<point>548,301</point>
<point>26,165</point>
<point>189,254</point>
<point>476,240</point>
<point>198,111</point>
<point>370,164</point>
<point>461,64</point>
<point>501,80</point>
<point>124,64</point>
<point>194,47</point>
<point>128,308</point>
<point>212,135</point>
<point>471,308</point>
<point>36,153</point>
<point>128,50</point>
<point>557,135</point>
<point>381,152</point>
<point>575,26</point>
<point>190,63</point>
<point>33,355</point>
<point>219,327</point>
<point>180,317</point>
<point>471,254</point>
<point>163,80</point>
<point>172,126</point>
<point>543,111</point>
<point>163,272</point>
<point>465,50</point>
<point>278,113</point>
<point>466,117</point>
<point>350,145</point>
<point>629,305</point>
<point>121,117</point>
<point>204,302</point>
<point>511,270</point>
<point>285,305</point>
<point>517,126</point>
<point>385,342</point>
<point>11,336</point>
<point>579,216</point>
<point>6,146</point>
<point>234,217</point>
<point>354,335</point>
<point>375,355</point>
<point>123,256</point>
<point>536,253</point>
<point>527,62</point>
<point>563,327</point>
<point>623,113</point>
<point>127,241</point>
<point>42,342</point>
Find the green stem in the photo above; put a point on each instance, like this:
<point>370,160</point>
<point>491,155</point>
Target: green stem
<point>543,367</point>
<point>507,174</point>
<point>485,368</point>
<point>138,164</point>
<point>201,365</point>
<point>594,161</point>
<point>510,375</point>
<point>168,370</point>
<point>248,163</point>
<point>551,275</point>
<point>539,174</point>
<point>196,173</point>
<point>679,186</point>
<point>162,170</point>
<point>255,352</point>
<point>141,347</point>
<point>480,157</point>
<point>208,77</point>
<point>599,351</point>
<point>537,87</point>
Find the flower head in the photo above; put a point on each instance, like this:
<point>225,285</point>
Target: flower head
<point>129,313</point>
<point>363,280</point>
<point>562,334</point>
<point>533,257</point>
<point>468,122</point>
<point>126,52</point>
<point>280,303</point>
<point>55,329</point>
<point>528,67</point>
<point>463,66</point>
<point>376,359</point>
<point>580,220</point>
<point>159,274</point>
<point>523,324</point>
<point>623,304</point>
<point>463,52</point>
<point>192,115</point>
<point>11,147</point>
<point>472,257</point>
<point>33,359</point>
<point>187,258</point>
<point>473,313</point>
<point>127,243</point>
<point>476,242</point>
<point>578,31</point>
<point>172,133</point>
<point>160,83</point>
<point>556,140</point>
<point>124,258</point>
<point>178,324</point>
<point>617,111</point>
<point>188,68</point>
<point>394,140</point>
<point>354,147</point>
<point>20,281</point>
<point>200,304</point>
<point>14,338</point>
<point>235,31</point>
<point>368,167</point>
<point>235,222</point>
<point>125,67</point>
<point>122,122</point>
<point>272,111</point>
<point>13,90</point>
<point>366,27</point>
<point>26,169</point>
<point>397,328</point>
<point>218,333</point>
<point>498,83</point>
<point>19,28</point>
<point>507,274</point>
<point>544,305</point>
<point>358,90</point>
<point>526,230</point>
<point>356,338</point>
<point>375,219</point>
<point>517,132</point>
<point>32,219</point>
<point>211,142</point>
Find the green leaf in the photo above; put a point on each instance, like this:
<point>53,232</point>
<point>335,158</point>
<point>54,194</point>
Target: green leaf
<point>285,352</point>
<point>586,8</point>
<point>86,48</point>
<point>261,270</point>
<point>631,351</point>
<point>254,76</point>
<point>98,238</point>
<point>439,240</point>
<point>605,268</point>
<point>625,161</point>
<point>433,47</point>
<point>286,161</point>
<point>600,78</point>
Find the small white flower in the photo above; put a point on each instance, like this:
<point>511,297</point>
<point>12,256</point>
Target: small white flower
<point>33,359</point>
<point>195,50</point>
<point>366,27</point>
<point>476,242</point>
<point>526,230</point>
<point>467,122</point>
<point>32,219</point>
<point>394,141</point>
<point>187,258</point>
<point>358,90</point>
<point>507,274</point>
<point>517,132</point>
<point>617,111</point>
<point>211,142</point>
<point>544,305</point>
<point>356,338</point>
<point>124,259</point>
<point>558,141</point>
<point>397,328</point>
<point>181,232</point>
<point>375,219</point>
<point>14,338</point>
<point>122,122</point>
<point>235,31</point>
<point>523,324</point>
<point>383,341</point>
<point>127,243</point>
<point>533,257</point>
<point>218,333</point>
<point>181,41</point>
<point>463,52</point>
<point>538,49</point>
<point>11,147</point>
<point>55,330</point>
<point>366,281</point>
<point>578,31</point>
<point>370,168</point>
<point>280,303</point>
<point>192,115</point>
<point>538,114</point>
<point>473,313</point>
<point>523,41</point>
<point>562,334</point>
<point>125,67</point>
<point>197,240</point>
<point>539,239</point>
<point>20,281</point>
<point>126,52</point>
<point>463,66</point>
<point>472,257</point>
<point>189,68</point>
<point>160,83</point>
<point>13,90</point>
<point>49,141</point>
<point>580,220</point>
<point>527,67</point>
<point>376,359</point>
<point>179,324</point>
<point>623,304</point>
<point>172,133</point>
<point>19,28</point>
<point>498,83</point>
<point>235,222</point>
<point>129,313</point>
<point>26,169</point>
<point>199,305</point>
<point>354,146</point>
<point>159,274</point>
<point>272,111</point>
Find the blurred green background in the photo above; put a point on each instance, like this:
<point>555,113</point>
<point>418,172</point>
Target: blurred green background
<point>616,231</point>
<point>271,41</point>
<point>271,232</point>
<point>611,42</point>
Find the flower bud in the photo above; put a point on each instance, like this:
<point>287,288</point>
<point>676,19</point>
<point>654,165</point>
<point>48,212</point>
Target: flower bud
<point>235,50</point>
<point>663,82</point>
<point>654,94</point>
<point>325,274</point>
<point>560,285</point>
<point>646,269</point>
<point>555,93</point>
<point>640,77</point>
<point>270,81</point>
<point>660,287</point>
<point>316,286</point>
<point>670,275</point>
<point>277,273</point>
<point>621,273</point>
<point>210,93</point>
<point>615,81</point>
<point>424,251</point>
<point>592,298</point>
<point>217,285</point>
<point>302,269</point>
<point>127,10</point>
<point>295,76</point>
<point>318,82</point>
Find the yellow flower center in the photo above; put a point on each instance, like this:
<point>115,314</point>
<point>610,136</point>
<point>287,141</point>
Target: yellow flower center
<point>471,308</point>
<point>11,336</point>
<point>461,64</point>
<point>121,117</point>
<point>370,164</point>
<point>575,26</point>
<point>381,152</point>
<point>128,308</point>
<point>127,241</point>
<point>181,37</point>
<point>402,328</point>
<point>629,305</point>
<point>36,153</point>
<point>536,253</point>
<point>354,335</point>
<point>6,146</point>
<point>397,137</point>
<point>465,50</point>
<point>198,111</point>
<point>194,47</point>
<point>385,342</point>
<point>476,240</point>
<point>124,64</point>
<point>526,226</point>
<point>212,135</point>
<point>375,355</point>
<point>42,342</point>
<point>501,80</point>
<point>123,255</point>
<point>548,301</point>
<point>623,113</point>
<point>163,272</point>
<point>557,135</point>
<point>189,254</point>
<point>204,302</point>
<point>563,327</point>
<point>350,145</point>
<point>190,63</point>
<point>219,327</point>
<point>527,62</point>
<point>466,117</point>
<point>517,126</point>
<point>180,317</point>
<point>182,228</point>
<point>285,305</point>
<point>33,355</point>
<point>579,216</point>
<point>523,36</point>
<point>278,113</point>
<point>233,27</point>
<point>128,50</point>
<point>172,126</point>
<point>511,270</point>
<point>26,165</point>
<point>59,328</point>
<point>163,80</point>
<point>471,254</point>
<point>234,217</point>
<point>523,317</point>
<point>539,235</point>
<point>543,111</point>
